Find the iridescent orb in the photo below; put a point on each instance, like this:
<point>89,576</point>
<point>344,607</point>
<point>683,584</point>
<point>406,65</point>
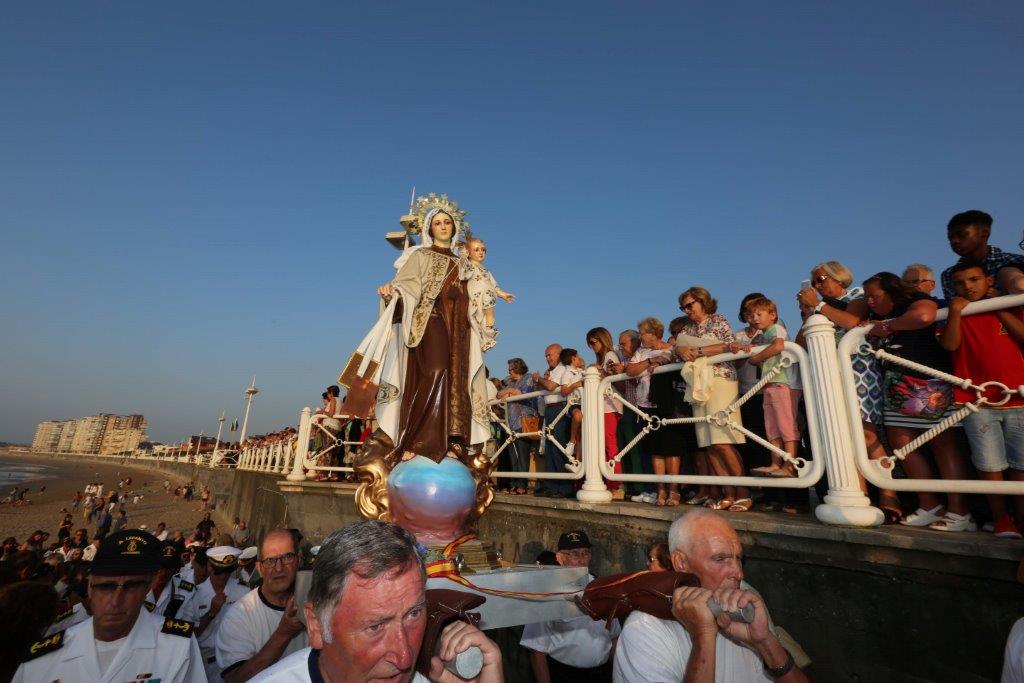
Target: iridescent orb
<point>431,500</point>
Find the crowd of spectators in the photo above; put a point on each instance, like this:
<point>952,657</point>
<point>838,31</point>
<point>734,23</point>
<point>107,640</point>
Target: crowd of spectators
<point>897,403</point>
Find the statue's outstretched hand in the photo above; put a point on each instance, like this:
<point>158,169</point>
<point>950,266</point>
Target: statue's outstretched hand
<point>385,291</point>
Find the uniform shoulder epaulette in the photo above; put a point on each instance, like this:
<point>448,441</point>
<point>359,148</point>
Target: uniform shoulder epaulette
<point>177,627</point>
<point>64,615</point>
<point>186,585</point>
<point>46,645</point>
<point>149,605</point>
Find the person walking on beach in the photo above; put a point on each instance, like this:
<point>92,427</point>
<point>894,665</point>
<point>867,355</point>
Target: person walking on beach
<point>76,501</point>
<point>103,524</point>
<point>122,521</point>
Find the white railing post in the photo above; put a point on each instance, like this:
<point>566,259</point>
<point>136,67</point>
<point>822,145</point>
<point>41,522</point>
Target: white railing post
<point>594,489</point>
<point>298,471</point>
<point>845,504</point>
<point>279,459</point>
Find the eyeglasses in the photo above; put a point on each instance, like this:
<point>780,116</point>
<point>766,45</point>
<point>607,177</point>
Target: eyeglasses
<point>917,282</point>
<point>591,342</point>
<point>651,559</point>
<point>286,559</point>
<point>686,307</point>
<point>127,586</point>
<point>821,278</point>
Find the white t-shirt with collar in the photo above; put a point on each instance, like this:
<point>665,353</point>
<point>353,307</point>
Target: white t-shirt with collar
<point>295,669</point>
<point>247,626</point>
<point>580,642</point>
<point>657,650</point>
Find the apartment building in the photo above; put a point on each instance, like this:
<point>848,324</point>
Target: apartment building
<point>123,434</point>
<point>89,433</point>
<point>47,436</point>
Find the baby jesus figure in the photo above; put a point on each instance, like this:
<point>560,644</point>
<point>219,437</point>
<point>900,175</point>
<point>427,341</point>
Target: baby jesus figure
<point>483,292</point>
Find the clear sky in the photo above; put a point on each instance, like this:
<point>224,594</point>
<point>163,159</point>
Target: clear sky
<point>193,193</point>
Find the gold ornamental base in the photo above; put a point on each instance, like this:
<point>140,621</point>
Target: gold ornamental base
<point>479,556</point>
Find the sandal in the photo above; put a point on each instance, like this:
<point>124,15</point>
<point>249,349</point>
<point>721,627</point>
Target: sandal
<point>782,473</point>
<point>954,522</point>
<point>763,471</point>
<point>741,505</point>
<point>661,501</point>
<point>697,500</point>
<point>723,504</point>
<point>922,517</point>
<point>790,509</point>
<point>673,499</point>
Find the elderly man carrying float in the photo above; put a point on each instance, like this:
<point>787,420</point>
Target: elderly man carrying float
<point>423,366</point>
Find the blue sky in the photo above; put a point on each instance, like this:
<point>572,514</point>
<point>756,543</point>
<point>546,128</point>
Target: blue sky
<point>194,193</point>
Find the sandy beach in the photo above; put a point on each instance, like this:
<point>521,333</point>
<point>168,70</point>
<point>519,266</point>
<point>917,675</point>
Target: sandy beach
<point>63,477</point>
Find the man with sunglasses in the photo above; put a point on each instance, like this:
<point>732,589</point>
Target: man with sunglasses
<point>120,641</point>
<point>263,626</point>
<point>213,597</point>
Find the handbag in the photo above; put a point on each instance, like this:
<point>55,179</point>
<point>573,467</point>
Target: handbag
<point>530,423</point>
<point>928,399</point>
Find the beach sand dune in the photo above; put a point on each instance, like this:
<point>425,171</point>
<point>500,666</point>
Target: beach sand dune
<point>63,477</point>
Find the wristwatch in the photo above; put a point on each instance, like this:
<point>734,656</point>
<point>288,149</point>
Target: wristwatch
<point>821,305</point>
<point>781,671</point>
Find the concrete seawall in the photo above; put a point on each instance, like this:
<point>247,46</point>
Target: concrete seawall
<point>889,604</point>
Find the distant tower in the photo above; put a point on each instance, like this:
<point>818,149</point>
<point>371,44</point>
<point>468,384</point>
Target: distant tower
<point>250,391</point>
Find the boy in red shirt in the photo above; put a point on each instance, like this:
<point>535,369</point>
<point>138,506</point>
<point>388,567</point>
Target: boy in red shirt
<point>986,348</point>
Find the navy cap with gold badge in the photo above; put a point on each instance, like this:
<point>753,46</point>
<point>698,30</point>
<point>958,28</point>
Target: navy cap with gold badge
<point>170,556</point>
<point>571,540</point>
<point>126,553</point>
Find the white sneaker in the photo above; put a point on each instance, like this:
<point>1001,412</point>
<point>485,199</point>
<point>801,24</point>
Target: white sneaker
<point>922,517</point>
<point>647,498</point>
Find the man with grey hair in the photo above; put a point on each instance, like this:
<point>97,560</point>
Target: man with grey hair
<point>920,277</point>
<point>367,615</point>
<point>698,646</point>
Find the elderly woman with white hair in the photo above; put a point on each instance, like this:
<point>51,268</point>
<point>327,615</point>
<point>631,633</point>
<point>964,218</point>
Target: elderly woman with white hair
<point>832,296</point>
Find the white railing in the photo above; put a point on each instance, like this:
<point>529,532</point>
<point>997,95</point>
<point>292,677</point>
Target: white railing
<point>575,468</point>
<point>809,472</point>
<point>880,472</point>
<point>835,431</point>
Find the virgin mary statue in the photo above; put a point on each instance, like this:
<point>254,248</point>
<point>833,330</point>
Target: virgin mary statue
<point>423,467</point>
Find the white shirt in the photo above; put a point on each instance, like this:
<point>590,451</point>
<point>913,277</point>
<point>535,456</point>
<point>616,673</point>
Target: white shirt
<point>581,642</point>
<point>199,606</point>
<point>66,621</point>
<point>556,375</point>
<point>89,552</point>
<point>174,588</point>
<point>162,536</point>
<point>147,651</point>
<point>1013,658</point>
<point>295,669</point>
<point>657,650</point>
<point>247,626</point>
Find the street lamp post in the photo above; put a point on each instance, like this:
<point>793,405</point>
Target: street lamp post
<point>250,391</point>
<point>216,446</point>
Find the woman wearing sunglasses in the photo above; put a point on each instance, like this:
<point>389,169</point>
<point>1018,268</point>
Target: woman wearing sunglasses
<point>831,295</point>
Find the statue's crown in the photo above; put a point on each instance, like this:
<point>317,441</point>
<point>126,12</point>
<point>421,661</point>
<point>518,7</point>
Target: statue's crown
<point>424,205</point>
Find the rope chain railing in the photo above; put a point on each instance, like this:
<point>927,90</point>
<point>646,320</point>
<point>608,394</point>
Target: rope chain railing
<point>987,394</point>
<point>806,475</point>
